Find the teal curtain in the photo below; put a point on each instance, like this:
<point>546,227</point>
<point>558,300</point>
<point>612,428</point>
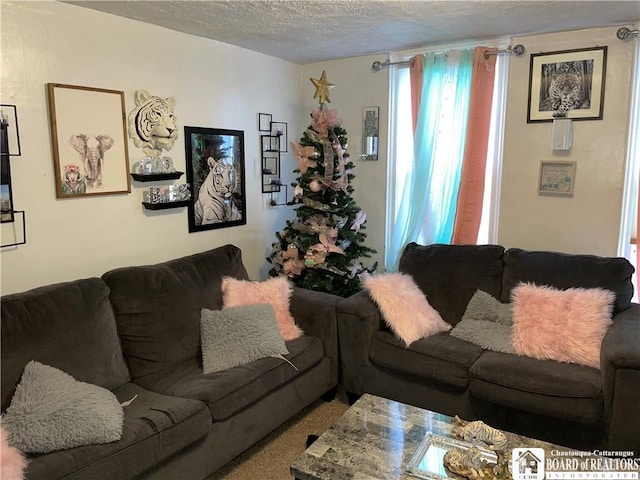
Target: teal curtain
<point>426,213</point>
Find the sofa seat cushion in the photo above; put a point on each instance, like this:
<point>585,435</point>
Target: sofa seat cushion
<point>230,391</point>
<point>449,275</point>
<point>155,427</point>
<point>560,390</point>
<point>440,357</point>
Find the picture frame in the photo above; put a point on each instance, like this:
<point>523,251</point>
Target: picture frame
<point>264,122</point>
<point>6,192</point>
<point>370,132</point>
<point>9,115</point>
<point>89,139</point>
<point>580,72</point>
<point>557,178</point>
<point>215,170</point>
<point>280,129</point>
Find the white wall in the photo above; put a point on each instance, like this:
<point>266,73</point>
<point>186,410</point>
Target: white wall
<point>215,85</point>
<point>356,87</point>
<point>221,86</point>
<point>588,222</point>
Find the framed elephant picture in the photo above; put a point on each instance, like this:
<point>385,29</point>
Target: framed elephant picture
<point>89,137</point>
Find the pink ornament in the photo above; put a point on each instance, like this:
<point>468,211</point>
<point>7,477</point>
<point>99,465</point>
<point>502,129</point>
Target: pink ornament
<point>315,186</point>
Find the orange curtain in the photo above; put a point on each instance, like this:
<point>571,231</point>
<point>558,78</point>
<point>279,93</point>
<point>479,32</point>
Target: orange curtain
<point>469,208</point>
<point>416,76</point>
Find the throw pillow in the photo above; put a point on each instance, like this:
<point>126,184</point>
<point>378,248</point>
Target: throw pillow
<point>12,460</point>
<point>50,410</point>
<point>484,306</point>
<point>275,291</point>
<point>404,307</point>
<point>237,335</point>
<point>563,325</point>
<point>486,322</point>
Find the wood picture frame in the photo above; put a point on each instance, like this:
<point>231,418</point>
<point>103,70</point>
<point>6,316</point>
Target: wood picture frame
<point>557,178</point>
<point>216,176</point>
<point>89,138</point>
<point>568,83</point>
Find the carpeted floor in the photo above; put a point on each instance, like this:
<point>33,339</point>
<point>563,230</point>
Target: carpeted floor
<point>270,458</point>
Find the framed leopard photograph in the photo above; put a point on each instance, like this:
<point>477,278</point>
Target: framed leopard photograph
<point>567,84</point>
<point>216,175</point>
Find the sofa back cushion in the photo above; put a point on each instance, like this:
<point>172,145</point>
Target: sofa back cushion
<point>158,307</point>
<point>563,270</point>
<point>449,275</point>
<point>70,326</point>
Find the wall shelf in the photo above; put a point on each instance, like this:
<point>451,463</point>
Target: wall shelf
<point>165,205</point>
<point>153,177</point>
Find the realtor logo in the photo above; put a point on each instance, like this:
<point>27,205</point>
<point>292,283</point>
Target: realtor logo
<point>527,464</point>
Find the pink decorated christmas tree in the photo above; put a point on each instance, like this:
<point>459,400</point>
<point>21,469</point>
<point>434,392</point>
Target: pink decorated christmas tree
<point>322,248</point>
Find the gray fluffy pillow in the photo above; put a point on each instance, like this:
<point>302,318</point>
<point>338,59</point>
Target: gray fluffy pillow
<point>483,306</point>
<point>237,335</point>
<point>51,410</point>
<point>486,322</point>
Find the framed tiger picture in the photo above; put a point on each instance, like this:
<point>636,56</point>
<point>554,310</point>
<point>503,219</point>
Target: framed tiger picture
<point>216,175</point>
<point>567,84</point>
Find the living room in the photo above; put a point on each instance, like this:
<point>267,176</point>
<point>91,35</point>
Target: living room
<point>74,238</point>
<point>217,85</point>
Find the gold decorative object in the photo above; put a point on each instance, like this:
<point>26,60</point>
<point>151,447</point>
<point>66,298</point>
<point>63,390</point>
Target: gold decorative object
<point>322,88</point>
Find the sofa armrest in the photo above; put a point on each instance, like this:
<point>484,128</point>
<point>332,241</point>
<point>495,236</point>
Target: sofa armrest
<point>315,314</point>
<point>620,367</point>
<point>358,320</point>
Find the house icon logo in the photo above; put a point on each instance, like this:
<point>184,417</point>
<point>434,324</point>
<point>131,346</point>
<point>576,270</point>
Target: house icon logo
<point>527,464</point>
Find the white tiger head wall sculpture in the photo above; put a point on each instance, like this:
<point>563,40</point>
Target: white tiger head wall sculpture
<point>152,124</point>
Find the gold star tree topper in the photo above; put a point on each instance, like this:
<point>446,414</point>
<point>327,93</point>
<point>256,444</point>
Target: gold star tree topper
<point>322,88</point>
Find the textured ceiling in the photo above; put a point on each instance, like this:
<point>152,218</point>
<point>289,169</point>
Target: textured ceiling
<point>306,31</point>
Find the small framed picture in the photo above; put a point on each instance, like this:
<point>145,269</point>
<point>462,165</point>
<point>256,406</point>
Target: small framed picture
<point>9,116</point>
<point>568,83</point>
<point>280,129</point>
<point>557,178</point>
<point>264,122</point>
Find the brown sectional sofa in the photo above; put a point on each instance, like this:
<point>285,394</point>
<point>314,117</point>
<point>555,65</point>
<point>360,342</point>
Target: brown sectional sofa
<point>135,331</point>
<point>564,403</point>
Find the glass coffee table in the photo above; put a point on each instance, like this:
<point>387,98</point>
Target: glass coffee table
<point>382,439</point>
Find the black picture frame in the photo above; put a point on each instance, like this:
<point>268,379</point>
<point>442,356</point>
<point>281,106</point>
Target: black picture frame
<point>10,113</point>
<point>215,167</point>
<point>6,193</point>
<point>264,122</point>
<point>549,72</point>
<point>280,129</point>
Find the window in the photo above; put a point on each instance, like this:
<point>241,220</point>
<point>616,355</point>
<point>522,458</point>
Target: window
<point>401,163</point>
<point>628,240</point>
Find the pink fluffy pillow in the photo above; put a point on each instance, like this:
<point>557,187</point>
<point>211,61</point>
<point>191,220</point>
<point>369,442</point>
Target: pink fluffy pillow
<point>12,460</point>
<point>563,325</point>
<point>404,307</point>
<point>275,291</point>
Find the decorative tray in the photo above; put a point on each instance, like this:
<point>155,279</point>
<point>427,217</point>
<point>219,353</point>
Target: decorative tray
<point>427,461</point>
